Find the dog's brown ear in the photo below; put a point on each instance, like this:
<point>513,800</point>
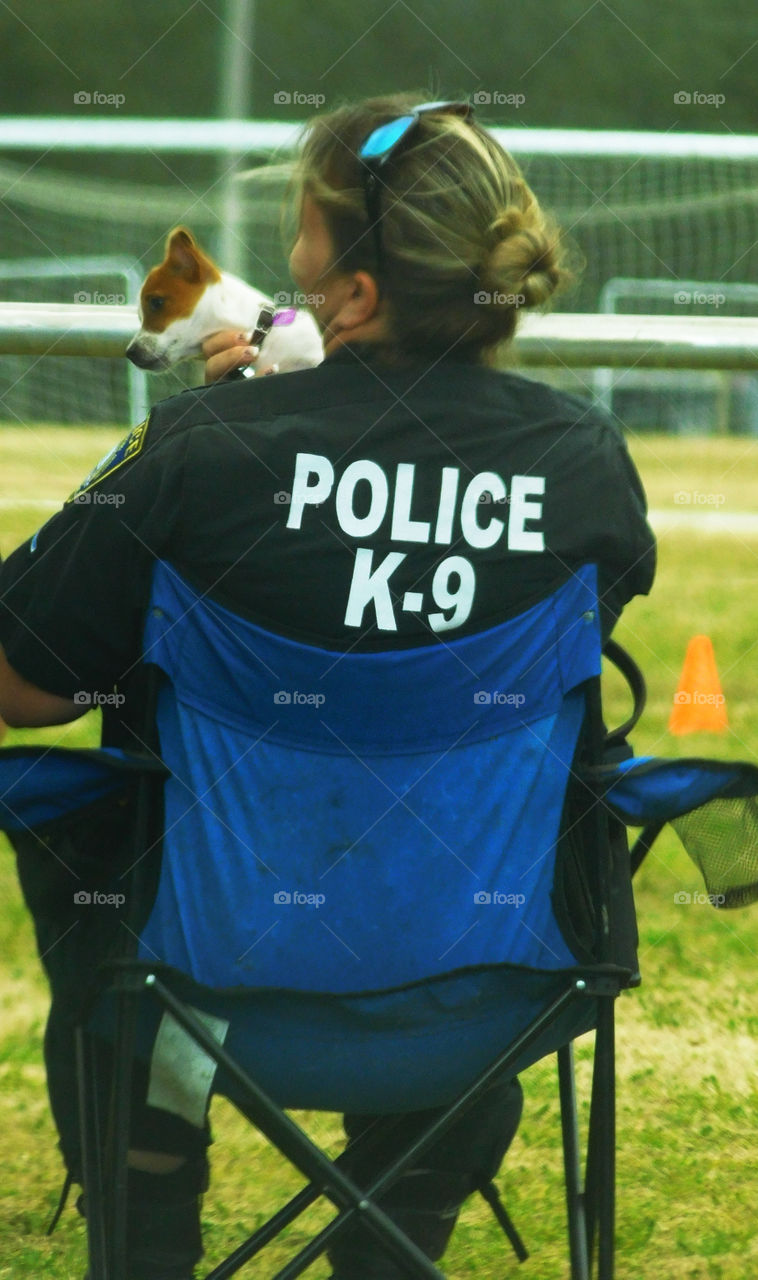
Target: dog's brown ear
<point>182,254</point>
<point>186,259</point>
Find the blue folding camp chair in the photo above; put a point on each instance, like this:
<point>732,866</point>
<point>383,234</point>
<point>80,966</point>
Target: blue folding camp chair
<point>387,879</point>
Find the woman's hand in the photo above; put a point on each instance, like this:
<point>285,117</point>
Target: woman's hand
<point>226,351</point>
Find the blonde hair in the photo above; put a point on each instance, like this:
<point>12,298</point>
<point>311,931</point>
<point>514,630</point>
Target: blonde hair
<point>465,243</point>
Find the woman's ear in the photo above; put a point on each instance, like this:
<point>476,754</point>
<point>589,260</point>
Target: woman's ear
<point>359,302</point>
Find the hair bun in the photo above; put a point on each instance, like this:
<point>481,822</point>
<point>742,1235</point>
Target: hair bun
<point>506,224</point>
<point>522,264</point>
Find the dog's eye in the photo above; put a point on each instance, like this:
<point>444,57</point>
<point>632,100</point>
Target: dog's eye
<point>155,303</point>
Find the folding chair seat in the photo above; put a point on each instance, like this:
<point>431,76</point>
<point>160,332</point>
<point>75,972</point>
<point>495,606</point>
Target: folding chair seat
<point>386,880</point>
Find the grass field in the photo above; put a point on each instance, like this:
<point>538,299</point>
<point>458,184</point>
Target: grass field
<point>687,1040</point>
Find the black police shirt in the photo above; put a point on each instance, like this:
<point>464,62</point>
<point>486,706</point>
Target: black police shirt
<point>353,506</point>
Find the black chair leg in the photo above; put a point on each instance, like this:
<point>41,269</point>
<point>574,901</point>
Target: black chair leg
<point>491,1194</point>
<point>607,1173</point>
<point>577,1225</point>
<point>105,1154</point>
<point>91,1145</point>
<point>123,1058</point>
<point>601,1157</point>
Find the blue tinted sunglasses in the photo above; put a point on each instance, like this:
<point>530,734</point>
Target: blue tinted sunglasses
<point>384,143</point>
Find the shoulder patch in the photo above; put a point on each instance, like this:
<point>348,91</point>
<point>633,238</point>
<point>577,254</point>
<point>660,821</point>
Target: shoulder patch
<point>124,451</point>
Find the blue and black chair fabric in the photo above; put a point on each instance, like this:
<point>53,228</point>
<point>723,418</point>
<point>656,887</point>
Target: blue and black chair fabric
<point>383,881</point>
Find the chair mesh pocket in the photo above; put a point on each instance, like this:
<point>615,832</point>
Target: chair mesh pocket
<point>721,837</point>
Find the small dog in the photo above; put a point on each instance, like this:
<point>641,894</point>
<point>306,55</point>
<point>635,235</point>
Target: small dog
<point>187,298</point>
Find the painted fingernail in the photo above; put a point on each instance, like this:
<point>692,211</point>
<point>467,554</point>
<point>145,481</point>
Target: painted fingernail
<point>251,353</point>
<point>274,369</point>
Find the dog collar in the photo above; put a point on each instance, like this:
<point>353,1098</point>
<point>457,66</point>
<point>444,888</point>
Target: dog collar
<point>266,318</point>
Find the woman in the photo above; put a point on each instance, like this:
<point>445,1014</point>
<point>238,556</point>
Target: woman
<point>402,490</point>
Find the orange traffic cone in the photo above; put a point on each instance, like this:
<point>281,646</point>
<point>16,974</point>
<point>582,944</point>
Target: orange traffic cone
<point>699,704</point>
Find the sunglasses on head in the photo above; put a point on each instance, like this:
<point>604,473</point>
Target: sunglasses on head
<point>384,143</point>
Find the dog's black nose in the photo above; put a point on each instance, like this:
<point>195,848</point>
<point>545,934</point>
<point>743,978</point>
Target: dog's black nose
<point>139,356</point>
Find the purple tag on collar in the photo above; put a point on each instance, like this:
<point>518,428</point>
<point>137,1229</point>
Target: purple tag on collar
<point>284,317</point>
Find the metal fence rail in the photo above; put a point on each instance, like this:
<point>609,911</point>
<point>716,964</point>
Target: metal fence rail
<point>124,133</point>
<point>571,340</point>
